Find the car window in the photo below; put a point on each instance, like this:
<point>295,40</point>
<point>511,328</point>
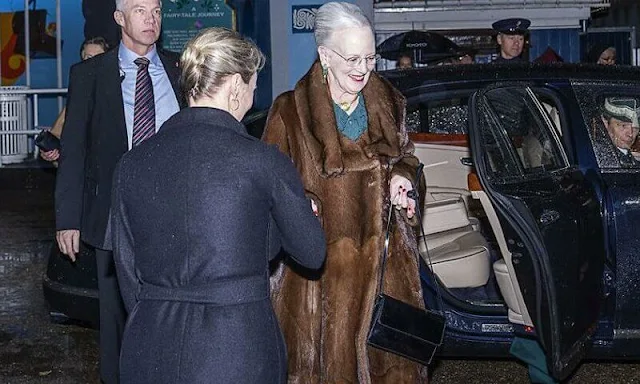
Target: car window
<point>517,134</point>
<point>446,114</point>
<point>611,113</point>
<point>552,110</point>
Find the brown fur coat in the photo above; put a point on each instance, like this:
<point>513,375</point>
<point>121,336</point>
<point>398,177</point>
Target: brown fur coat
<point>326,319</point>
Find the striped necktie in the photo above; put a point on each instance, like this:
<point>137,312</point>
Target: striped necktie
<point>144,111</point>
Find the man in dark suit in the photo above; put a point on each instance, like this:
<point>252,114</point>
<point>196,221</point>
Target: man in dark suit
<point>115,101</point>
<point>511,39</point>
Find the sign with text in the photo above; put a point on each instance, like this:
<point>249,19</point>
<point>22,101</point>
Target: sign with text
<point>183,19</point>
<point>303,18</point>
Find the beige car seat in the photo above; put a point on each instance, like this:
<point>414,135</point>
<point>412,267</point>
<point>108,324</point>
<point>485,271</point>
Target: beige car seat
<point>459,253</point>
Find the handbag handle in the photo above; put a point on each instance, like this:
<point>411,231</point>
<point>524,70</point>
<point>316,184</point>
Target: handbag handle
<point>415,195</point>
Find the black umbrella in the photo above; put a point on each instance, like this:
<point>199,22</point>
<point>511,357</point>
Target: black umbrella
<point>423,46</point>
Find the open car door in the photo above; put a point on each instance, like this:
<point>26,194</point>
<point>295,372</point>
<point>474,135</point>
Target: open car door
<point>550,218</point>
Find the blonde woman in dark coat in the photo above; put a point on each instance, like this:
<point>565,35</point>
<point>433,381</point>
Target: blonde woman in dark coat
<point>198,211</point>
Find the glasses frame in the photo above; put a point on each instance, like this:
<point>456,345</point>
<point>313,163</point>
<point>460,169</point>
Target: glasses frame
<point>355,64</point>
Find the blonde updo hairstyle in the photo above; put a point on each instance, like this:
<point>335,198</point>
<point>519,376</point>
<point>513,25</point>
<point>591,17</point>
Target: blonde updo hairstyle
<point>214,54</point>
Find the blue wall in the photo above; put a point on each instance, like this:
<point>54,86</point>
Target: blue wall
<point>566,42</point>
<point>43,70</point>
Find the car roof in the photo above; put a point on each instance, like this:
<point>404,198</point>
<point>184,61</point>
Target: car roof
<point>417,77</point>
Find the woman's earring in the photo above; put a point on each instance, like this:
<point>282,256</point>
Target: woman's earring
<point>235,103</point>
<point>325,72</point>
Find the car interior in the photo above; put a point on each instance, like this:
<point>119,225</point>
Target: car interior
<point>463,240</point>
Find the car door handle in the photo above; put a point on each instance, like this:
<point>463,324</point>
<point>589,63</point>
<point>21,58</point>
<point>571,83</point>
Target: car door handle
<point>467,161</point>
<point>549,216</point>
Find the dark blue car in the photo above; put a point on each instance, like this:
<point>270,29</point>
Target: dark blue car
<point>533,196</point>
<point>533,193</point>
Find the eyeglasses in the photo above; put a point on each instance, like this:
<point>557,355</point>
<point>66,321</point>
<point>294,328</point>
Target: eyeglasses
<point>355,61</point>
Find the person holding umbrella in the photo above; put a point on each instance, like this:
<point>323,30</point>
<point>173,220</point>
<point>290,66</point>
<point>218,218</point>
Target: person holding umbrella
<point>511,39</point>
<point>422,47</point>
<point>405,61</point>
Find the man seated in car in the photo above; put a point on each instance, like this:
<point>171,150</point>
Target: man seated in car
<point>620,117</point>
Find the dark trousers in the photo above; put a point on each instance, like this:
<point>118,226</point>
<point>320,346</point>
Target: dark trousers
<point>112,317</point>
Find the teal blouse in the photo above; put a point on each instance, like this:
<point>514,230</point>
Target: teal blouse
<point>354,125</point>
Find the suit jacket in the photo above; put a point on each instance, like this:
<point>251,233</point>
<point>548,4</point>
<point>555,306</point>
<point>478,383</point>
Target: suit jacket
<point>93,140</point>
<point>196,209</point>
<point>627,159</point>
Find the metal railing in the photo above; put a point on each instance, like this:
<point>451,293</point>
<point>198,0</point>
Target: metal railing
<point>32,110</point>
<point>33,102</point>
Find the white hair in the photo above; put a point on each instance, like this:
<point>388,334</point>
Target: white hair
<point>336,15</point>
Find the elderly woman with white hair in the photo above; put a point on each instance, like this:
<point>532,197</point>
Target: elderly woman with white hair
<point>343,127</point>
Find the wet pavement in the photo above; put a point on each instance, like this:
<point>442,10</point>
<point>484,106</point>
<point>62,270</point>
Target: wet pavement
<point>512,372</point>
<point>33,349</point>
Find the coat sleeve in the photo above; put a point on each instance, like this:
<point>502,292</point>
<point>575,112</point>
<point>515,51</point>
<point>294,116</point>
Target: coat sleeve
<point>276,132</point>
<point>122,243</point>
<point>300,231</point>
<point>70,179</point>
<point>407,167</point>
<point>408,170</point>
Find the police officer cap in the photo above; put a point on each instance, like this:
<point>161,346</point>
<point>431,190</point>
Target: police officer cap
<point>512,26</point>
<point>624,109</point>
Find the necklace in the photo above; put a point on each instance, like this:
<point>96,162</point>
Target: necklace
<point>346,105</point>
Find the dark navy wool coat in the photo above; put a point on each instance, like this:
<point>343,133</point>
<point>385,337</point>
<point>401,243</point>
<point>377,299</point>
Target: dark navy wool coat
<point>198,211</point>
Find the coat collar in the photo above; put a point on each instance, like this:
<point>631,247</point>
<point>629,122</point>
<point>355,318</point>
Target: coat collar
<point>332,153</point>
<point>127,56</point>
<point>206,116</point>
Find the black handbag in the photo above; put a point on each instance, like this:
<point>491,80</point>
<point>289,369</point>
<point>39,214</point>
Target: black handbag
<point>46,141</point>
<point>400,328</point>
